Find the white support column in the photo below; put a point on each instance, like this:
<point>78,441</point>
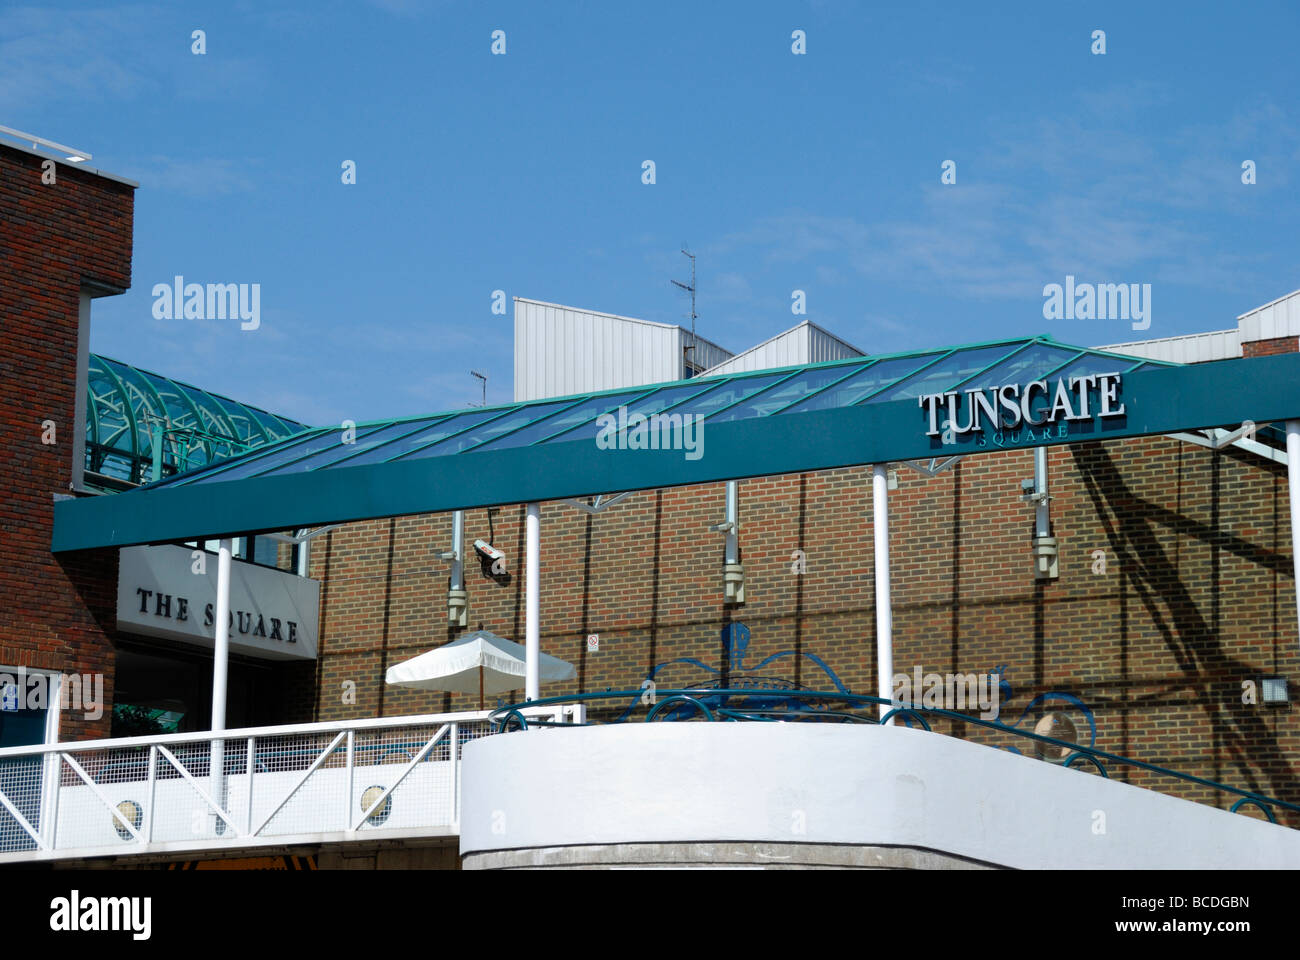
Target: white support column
<point>532,615</point>
<point>220,661</point>
<point>1293,481</point>
<point>884,612</point>
<point>304,557</point>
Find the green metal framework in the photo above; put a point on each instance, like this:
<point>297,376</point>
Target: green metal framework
<point>133,415</point>
<point>762,423</point>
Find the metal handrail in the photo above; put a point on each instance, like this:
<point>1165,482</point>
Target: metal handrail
<point>700,697</point>
<point>284,730</point>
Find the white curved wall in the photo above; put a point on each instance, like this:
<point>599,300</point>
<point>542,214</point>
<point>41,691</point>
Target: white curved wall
<point>837,784</point>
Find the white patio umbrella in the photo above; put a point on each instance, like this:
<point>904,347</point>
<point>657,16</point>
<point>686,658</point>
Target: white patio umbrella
<point>479,660</point>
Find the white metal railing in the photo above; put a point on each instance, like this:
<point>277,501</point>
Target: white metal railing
<point>314,782</point>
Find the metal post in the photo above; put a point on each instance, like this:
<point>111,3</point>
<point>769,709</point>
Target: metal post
<point>248,801</point>
<point>532,617</point>
<point>733,541</point>
<point>884,612</point>
<point>458,548</point>
<point>157,452</point>
<point>457,596</point>
<point>304,558</point>
<point>352,767</point>
<point>220,660</point>
<point>1042,511</point>
<point>1293,481</point>
<point>453,779</point>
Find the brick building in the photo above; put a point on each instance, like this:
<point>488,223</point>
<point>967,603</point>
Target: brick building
<point>62,245</point>
<point>1166,602</point>
<point>1174,589</point>
<point>77,424</point>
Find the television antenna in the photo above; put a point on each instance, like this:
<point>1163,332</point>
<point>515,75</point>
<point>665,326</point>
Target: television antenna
<point>694,316</point>
<point>483,377</point>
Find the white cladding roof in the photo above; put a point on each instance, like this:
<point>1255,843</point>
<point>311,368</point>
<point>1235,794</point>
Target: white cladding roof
<point>563,350</point>
<point>804,343</point>
<point>1280,318</point>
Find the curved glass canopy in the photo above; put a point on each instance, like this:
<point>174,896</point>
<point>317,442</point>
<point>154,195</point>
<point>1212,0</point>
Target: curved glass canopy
<point>130,411</point>
<point>719,399</point>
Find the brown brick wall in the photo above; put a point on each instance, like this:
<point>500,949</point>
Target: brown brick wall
<point>1269,348</point>
<point>55,613</point>
<point>1197,595</point>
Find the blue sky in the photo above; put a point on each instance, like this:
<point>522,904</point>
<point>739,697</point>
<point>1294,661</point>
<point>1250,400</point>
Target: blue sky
<point>522,172</point>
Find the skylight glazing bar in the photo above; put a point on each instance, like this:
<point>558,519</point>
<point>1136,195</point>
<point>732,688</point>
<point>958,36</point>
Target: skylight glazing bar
<point>853,371</point>
<point>660,388</point>
<point>222,466</point>
<point>750,397</point>
<point>370,431</point>
<point>903,379</point>
<point>470,426</point>
<point>525,426</point>
<point>127,414</point>
<point>1061,366</point>
<point>979,373</point>
<point>186,401</point>
<point>419,427</point>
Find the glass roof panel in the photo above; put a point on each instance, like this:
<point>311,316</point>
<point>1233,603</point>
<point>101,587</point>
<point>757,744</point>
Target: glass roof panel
<point>784,393</point>
<point>725,394</point>
<point>376,440</point>
<point>248,429</point>
<point>1027,365</point>
<point>564,420</point>
<point>213,417</point>
<point>399,444</point>
<point>646,406</point>
<point>1090,364</point>
<point>309,441</point>
<point>489,429</point>
<point>272,426</point>
<point>312,452</point>
<point>945,373</point>
<point>114,416</point>
<point>854,388</point>
<point>179,410</point>
<point>719,399</point>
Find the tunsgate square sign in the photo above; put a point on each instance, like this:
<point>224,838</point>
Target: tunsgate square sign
<point>167,592</point>
<point>1011,413</point>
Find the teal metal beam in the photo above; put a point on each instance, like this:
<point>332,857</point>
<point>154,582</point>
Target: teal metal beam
<point>1158,401</point>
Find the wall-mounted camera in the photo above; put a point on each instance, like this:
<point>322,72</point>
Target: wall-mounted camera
<point>492,562</point>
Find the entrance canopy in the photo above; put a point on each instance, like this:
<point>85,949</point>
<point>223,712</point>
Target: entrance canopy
<point>971,399</point>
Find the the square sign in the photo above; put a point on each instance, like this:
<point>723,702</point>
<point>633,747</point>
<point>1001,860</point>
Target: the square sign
<point>593,642</point>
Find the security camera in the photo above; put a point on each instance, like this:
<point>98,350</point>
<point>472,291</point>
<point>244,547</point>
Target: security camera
<point>488,552</point>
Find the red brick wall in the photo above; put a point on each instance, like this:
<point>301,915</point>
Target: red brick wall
<point>1197,595</point>
<point>55,613</point>
<point>1268,348</point>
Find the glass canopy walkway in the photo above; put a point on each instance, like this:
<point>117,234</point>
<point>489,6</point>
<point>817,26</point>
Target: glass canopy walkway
<point>138,422</point>
<point>719,399</point>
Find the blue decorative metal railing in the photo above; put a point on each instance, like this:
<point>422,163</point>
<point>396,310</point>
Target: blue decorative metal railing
<point>805,706</point>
